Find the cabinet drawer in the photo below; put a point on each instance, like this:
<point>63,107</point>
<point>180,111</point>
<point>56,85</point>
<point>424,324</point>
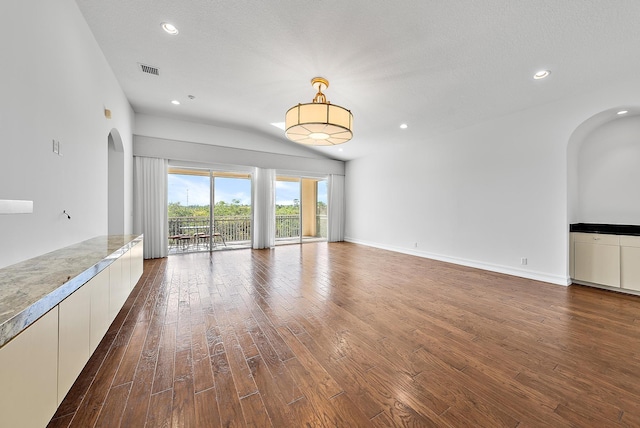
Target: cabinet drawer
<point>596,238</point>
<point>630,241</point>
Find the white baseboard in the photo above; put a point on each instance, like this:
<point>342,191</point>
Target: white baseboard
<point>537,276</point>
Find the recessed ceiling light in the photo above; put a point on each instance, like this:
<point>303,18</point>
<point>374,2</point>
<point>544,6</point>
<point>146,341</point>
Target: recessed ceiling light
<point>341,149</point>
<point>279,125</point>
<point>175,102</point>
<point>541,74</point>
<point>403,126</point>
<point>169,28</point>
<point>623,112</point>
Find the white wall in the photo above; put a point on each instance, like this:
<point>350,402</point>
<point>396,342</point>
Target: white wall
<point>179,140</point>
<point>483,196</point>
<point>181,130</point>
<point>609,173</point>
<point>55,84</point>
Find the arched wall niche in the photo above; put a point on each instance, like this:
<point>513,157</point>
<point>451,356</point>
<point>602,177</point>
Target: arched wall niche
<point>115,149</point>
<point>603,156</point>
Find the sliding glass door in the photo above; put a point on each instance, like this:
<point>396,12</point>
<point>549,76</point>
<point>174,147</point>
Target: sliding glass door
<point>287,210</point>
<point>232,210</point>
<point>301,210</point>
<point>321,204</point>
<point>189,209</point>
<point>193,226</point>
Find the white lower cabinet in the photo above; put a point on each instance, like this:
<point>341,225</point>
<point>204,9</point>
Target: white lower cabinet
<point>125,261</point>
<point>630,262</point>
<point>118,291</point>
<point>39,365</point>
<point>29,375</point>
<point>137,263</point>
<point>74,334</point>
<point>100,320</point>
<point>597,258</point>
<point>611,260</point>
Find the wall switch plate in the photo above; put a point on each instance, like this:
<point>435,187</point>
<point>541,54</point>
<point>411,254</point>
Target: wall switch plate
<point>56,147</point>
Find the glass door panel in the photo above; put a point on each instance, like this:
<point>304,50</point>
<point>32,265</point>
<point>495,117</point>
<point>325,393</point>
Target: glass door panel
<point>321,210</point>
<point>231,211</point>
<point>193,226</point>
<point>314,209</point>
<point>287,210</point>
<point>188,209</point>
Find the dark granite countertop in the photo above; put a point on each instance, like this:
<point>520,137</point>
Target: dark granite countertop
<point>610,229</point>
<point>31,288</point>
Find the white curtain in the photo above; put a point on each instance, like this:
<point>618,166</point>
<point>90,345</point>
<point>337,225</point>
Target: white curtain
<point>264,208</point>
<point>336,213</point>
<point>150,205</point>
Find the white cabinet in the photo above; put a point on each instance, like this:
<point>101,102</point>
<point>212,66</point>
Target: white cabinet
<point>125,261</point>
<point>597,258</point>
<point>100,321</point>
<point>630,262</point>
<point>40,364</point>
<point>137,262</point>
<point>74,330</point>
<point>601,259</point>
<point>29,375</point>
<point>118,291</point>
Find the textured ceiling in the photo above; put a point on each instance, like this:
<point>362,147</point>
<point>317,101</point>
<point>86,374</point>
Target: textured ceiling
<point>435,65</point>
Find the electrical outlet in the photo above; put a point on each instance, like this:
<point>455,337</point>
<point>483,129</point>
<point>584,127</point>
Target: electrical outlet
<point>415,245</point>
<point>523,261</point>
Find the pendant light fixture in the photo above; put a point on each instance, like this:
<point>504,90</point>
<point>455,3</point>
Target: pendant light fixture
<point>319,123</point>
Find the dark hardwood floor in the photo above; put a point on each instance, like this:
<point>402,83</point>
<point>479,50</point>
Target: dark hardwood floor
<point>350,336</point>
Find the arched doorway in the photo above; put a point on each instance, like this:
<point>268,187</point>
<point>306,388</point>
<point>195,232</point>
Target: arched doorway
<point>115,150</point>
<point>602,169</point>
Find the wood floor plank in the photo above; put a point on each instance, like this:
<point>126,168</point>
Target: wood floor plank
<point>206,407</point>
<point>287,388</point>
<point>113,407</point>
<point>226,393</point>
<point>279,412</point>
<point>338,334</point>
<point>60,421</point>
<point>314,371</point>
<point>183,407</point>
<point>255,413</point>
<point>159,414</point>
<point>130,359</point>
<point>202,374</point>
<point>163,378</point>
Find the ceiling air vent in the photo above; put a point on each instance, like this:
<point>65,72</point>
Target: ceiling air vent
<point>149,69</point>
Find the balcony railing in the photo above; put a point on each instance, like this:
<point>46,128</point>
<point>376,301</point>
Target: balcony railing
<point>237,229</point>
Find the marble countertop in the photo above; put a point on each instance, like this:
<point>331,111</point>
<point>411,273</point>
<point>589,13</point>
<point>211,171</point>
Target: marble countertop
<point>31,288</point>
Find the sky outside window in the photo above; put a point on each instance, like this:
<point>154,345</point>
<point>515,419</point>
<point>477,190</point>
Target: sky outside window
<point>196,188</point>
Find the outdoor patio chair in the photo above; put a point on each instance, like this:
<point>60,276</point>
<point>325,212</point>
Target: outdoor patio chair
<point>220,236</point>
